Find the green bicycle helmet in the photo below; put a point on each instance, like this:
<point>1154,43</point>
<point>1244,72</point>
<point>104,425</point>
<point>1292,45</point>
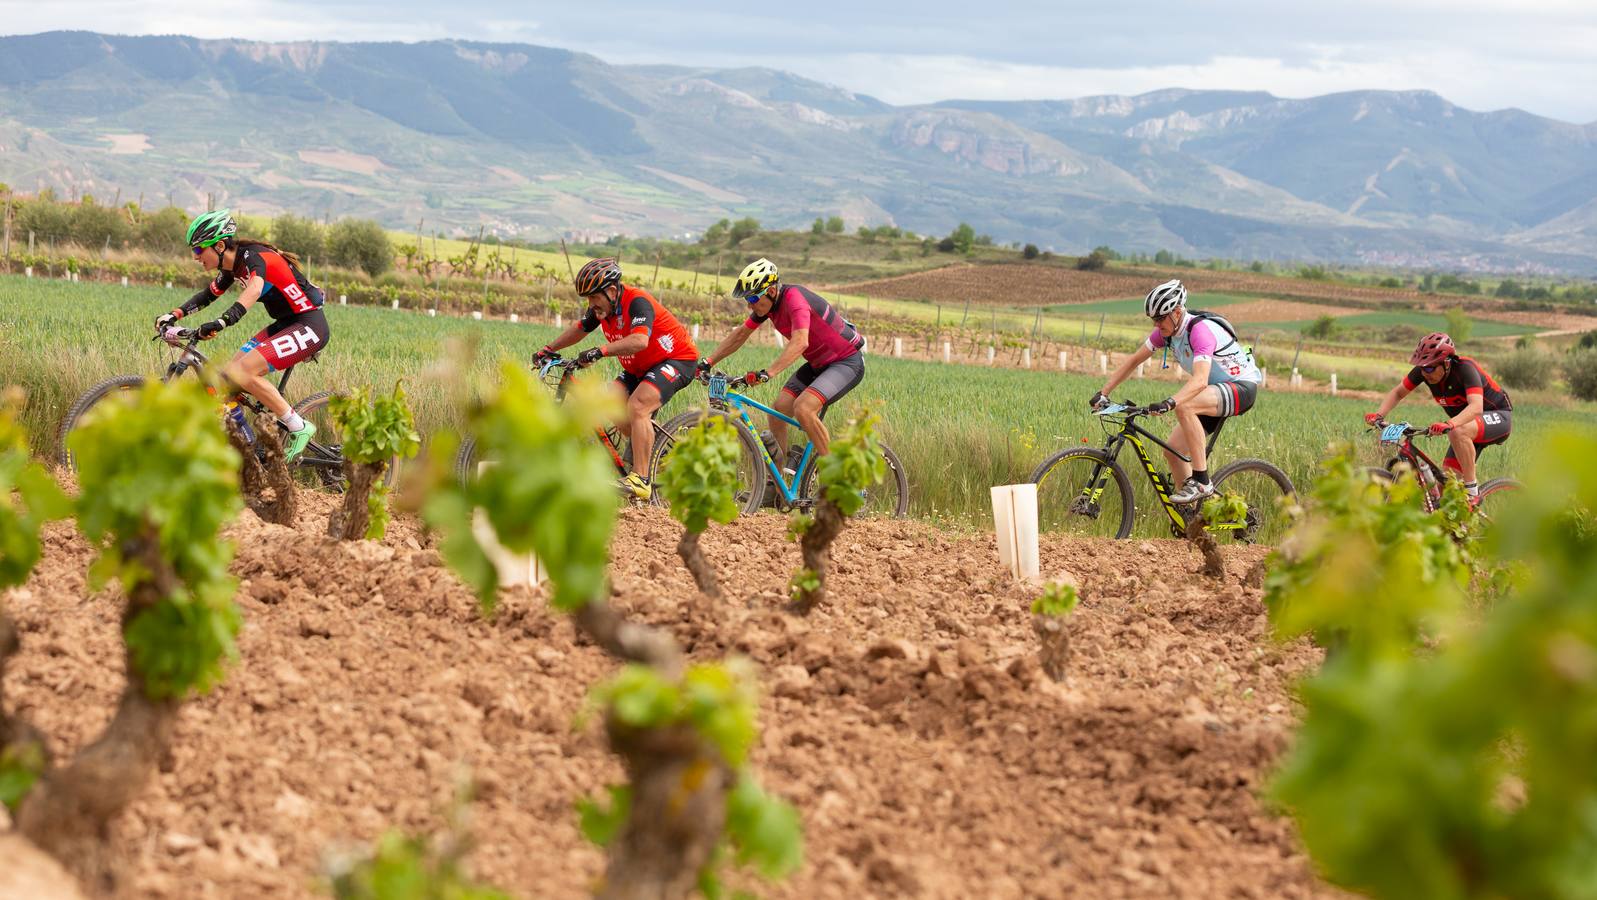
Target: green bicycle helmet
<point>211,227</point>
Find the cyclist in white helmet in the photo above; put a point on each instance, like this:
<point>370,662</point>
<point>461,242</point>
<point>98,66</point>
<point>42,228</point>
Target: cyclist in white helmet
<point>1224,381</point>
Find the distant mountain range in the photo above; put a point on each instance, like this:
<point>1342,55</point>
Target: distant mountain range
<point>534,141</point>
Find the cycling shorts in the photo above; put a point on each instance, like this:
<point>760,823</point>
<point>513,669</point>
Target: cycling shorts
<point>1233,399</point>
<point>831,382</point>
<point>668,377</point>
<point>289,341</point>
<point>1495,426</point>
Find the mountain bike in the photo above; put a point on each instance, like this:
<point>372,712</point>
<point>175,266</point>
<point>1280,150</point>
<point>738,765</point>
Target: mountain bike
<point>795,485</point>
<point>321,464</point>
<point>1085,491</point>
<point>1400,437</point>
<point>556,374</point>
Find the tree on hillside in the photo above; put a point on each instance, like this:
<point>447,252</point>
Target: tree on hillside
<point>1164,258</point>
<point>1509,288</point>
<point>818,226</point>
<point>1092,262</point>
<point>1459,326</point>
<point>361,244</point>
<point>742,230</point>
<point>834,225</point>
<point>963,238</point>
<point>867,234</point>
<point>717,232</point>
<point>304,237</point>
<point>1029,252</point>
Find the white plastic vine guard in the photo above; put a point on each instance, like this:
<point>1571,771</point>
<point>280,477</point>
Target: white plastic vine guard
<point>515,570</point>
<point>1015,522</point>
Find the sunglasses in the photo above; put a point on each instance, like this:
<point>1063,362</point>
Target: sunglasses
<point>1432,367</point>
<point>198,250</point>
<point>752,299</point>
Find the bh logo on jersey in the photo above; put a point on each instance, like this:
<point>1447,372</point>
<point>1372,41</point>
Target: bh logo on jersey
<point>291,342</point>
<point>666,343</point>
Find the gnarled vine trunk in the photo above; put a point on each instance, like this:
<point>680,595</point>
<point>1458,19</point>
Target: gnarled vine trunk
<point>679,782</point>
<point>68,813</point>
<point>698,566</point>
<point>1199,534</point>
<point>815,547</point>
<point>349,520</point>
<point>1054,638</point>
<point>267,486</point>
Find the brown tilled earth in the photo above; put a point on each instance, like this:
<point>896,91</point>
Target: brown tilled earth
<point>908,720</point>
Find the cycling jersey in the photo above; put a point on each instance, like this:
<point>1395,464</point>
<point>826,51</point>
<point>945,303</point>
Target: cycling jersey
<point>640,313</point>
<point>287,292</point>
<point>1201,339</point>
<point>1465,377</point>
<point>831,337</point>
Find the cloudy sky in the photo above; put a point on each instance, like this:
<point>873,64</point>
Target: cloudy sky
<point>1537,55</point>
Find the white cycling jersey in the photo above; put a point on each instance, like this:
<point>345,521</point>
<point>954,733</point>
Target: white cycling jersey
<point>1199,339</point>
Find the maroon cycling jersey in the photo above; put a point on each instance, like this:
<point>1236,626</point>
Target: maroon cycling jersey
<point>1464,378</point>
<point>287,292</point>
<point>797,308</point>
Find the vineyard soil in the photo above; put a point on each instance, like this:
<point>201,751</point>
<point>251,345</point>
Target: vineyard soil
<point>908,719</point>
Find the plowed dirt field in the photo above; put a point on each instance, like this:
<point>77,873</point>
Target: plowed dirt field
<point>908,720</point>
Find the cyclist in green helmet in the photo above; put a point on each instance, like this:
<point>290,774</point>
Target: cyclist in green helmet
<point>272,277</point>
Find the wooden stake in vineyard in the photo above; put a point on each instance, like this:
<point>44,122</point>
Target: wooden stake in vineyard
<point>568,261</point>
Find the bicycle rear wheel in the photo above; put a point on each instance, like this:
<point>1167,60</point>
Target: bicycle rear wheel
<point>888,500</point>
<point>111,387</point>
<point>321,465</point>
<point>1495,498</point>
<point>1264,487</point>
<point>751,469</point>
<point>1083,492</point>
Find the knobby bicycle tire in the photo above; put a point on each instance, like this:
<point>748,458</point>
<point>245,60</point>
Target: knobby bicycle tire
<point>86,402</point>
<point>895,472</point>
<point>754,491</point>
<point>1122,483</point>
<point>1265,468</point>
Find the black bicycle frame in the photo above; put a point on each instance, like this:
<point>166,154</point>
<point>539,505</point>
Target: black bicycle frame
<point>317,454</point>
<point>1133,433</point>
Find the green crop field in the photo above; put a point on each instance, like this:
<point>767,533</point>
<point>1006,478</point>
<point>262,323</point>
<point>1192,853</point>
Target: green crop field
<point>958,429</point>
<point>1422,320</point>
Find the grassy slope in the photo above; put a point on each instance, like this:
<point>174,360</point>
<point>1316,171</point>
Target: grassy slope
<point>959,429</point>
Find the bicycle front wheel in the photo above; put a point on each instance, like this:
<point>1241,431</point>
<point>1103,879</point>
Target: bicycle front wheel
<point>119,386</point>
<point>321,464</point>
<point>1265,488</point>
<point>888,500</point>
<point>1083,492</point>
<point>1494,497</point>
<point>751,468</point>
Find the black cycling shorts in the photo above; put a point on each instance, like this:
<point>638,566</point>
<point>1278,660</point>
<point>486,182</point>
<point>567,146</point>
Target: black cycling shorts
<point>668,377</point>
<point>831,382</point>
<point>1236,398</point>
<point>1495,427</point>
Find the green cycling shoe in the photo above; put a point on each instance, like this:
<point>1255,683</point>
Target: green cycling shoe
<point>297,441</point>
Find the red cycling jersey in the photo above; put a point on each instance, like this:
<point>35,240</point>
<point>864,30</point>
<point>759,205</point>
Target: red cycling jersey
<point>640,313</point>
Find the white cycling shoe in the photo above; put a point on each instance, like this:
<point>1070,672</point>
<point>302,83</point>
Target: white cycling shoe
<point>1192,491</point>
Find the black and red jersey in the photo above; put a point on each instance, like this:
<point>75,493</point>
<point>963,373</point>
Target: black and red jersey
<point>640,313</point>
<point>287,292</point>
<point>1464,377</point>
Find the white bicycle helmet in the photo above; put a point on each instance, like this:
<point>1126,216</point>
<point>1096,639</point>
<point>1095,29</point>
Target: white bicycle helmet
<point>1166,297</point>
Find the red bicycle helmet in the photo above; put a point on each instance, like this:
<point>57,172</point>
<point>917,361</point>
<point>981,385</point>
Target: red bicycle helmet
<point>597,274</point>
<point>1433,348</point>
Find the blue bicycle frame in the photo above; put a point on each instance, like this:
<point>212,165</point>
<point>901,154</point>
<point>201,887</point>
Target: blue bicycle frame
<point>720,395</point>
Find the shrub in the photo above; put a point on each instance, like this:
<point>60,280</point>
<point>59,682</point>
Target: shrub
<point>360,244</point>
<point>1459,326</point>
<point>1527,368</point>
<point>1092,262</point>
<point>834,225</point>
<point>304,237</point>
<point>1323,328</point>
<point>1581,372</point>
<point>1029,252</point>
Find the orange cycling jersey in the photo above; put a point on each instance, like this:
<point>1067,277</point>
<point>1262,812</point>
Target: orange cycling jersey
<point>640,313</point>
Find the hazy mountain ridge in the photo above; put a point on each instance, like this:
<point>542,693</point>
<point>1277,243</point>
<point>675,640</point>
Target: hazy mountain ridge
<point>535,140</point>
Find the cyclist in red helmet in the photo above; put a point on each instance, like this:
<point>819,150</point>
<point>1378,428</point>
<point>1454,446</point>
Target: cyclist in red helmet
<point>657,355</point>
<point>1478,408</point>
